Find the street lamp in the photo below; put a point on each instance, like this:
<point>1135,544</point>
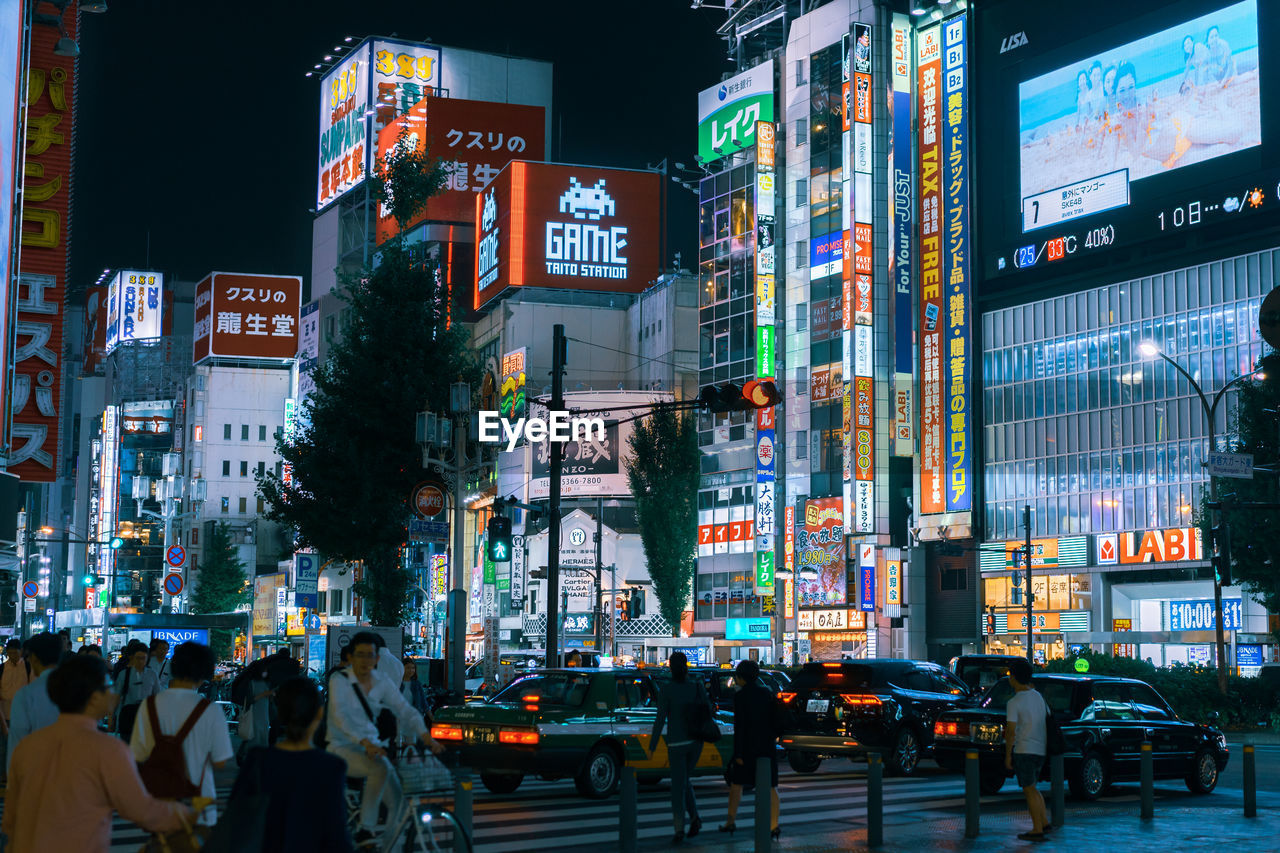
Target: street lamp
<point>1150,350</point>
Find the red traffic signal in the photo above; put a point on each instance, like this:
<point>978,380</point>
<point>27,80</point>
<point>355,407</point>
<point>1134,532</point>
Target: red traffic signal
<point>762,393</point>
<point>756,394</point>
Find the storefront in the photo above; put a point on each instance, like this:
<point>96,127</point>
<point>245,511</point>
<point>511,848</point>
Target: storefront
<point>833,633</point>
<point>1063,595</point>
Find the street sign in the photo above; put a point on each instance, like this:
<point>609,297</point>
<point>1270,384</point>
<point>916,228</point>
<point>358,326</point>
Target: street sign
<point>428,500</point>
<point>28,605</point>
<point>306,580</point>
<point>1238,465</point>
<point>31,589</point>
<point>173,583</point>
<point>428,531</point>
<point>175,556</point>
<point>311,622</point>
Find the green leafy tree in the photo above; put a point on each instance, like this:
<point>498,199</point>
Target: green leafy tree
<point>663,474</point>
<point>221,585</point>
<point>354,463</point>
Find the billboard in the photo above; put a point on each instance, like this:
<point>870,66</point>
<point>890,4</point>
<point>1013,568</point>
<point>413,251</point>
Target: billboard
<point>859,335</point>
<point>95,329</point>
<point>728,113</point>
<point>766,316</point>
<point>38,327</point>
<point>135,307</point>
<point>591,468</point>
<point>475,139</point>
<point>820,552</point>
<point>929,111</point>
<point>247,315</point>
<point>571,227</point>
<point>153,417</point>
<point>11,41</point>
<point>377,81</point>
<point>901,242</point>
<point>955,268</point>
<point>1140,132</point>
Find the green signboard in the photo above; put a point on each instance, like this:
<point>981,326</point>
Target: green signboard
<point>727,113</point>
<point>764,352</point>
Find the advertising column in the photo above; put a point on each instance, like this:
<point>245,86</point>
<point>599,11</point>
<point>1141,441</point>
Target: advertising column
<point>958,426</point>
<point>766,467</point>
<point>902,216</point>
<point>929,66</point>
<point>863,384</point>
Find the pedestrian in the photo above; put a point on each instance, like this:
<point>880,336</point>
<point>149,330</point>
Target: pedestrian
<point>94,650</point>
<point>15,674</point>
<point>158,662</point>
<point>757,723</point>
<point>257,705</point>
<point>358,734</point>
<point>306,786</point>
<point>68,778</point>
<point>32,708</point>
<point>1026,743</point>
<point>65,636</point>
<point>134,684</point>
<point>413,691</point>
<point>207,744</point>
<point>677,704</point>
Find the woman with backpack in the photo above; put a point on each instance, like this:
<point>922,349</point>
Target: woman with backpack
<point>681,703</point>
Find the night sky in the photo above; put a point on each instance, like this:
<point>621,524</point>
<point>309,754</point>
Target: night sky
<point>196,122</point>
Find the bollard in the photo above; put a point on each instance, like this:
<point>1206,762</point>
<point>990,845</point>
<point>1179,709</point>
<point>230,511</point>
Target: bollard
<point>1058,790</point>
<point>627,821</point>
<point>875,800</point>
<point>764,803</point>
<point>971,794</point>
<point>462,802</point>
<point>1148,783</point>
<point>1250,782</point>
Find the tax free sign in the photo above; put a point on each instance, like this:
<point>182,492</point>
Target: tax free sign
<point>727,113</point>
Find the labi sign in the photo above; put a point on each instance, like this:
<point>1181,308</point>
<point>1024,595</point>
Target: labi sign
<point>1172,545</point>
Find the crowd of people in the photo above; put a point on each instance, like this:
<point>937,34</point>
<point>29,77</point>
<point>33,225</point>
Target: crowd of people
<point>143,739</point>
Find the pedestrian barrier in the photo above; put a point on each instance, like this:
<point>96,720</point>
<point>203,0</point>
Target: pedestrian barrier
<point>1250,782</point>
<point>875,800</point>
<point>462,808</point>
<point>628,820</point>
<point>1148,783</point>
<point>1058,789</point>
<point>764,799</point>
<point>971,794</point>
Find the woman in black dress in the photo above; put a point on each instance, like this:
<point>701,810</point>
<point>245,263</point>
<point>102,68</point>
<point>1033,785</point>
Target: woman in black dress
<point>757,723</point>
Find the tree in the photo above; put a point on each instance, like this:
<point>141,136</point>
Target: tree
<point>663,474</point>
<point>221,585</point>
<point>354,462</point>
<point>1255,547</point>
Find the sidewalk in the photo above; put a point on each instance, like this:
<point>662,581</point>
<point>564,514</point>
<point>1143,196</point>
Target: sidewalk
<point>1089,828</point>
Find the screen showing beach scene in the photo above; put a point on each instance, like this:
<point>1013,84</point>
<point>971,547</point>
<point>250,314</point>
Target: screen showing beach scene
<point>1184,95</point>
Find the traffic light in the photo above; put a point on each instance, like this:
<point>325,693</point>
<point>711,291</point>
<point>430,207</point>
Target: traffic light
<point>116,543</point>
<point>1016,589</point>
<point>499,544</point>
<point>1221,536</point>
<point>756,394</point>
<point>637,603</point>
<point>624,609</point>
<point>89,581</point>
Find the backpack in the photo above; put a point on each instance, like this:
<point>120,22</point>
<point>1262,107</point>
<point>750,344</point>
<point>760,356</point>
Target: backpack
<point>164,773</point>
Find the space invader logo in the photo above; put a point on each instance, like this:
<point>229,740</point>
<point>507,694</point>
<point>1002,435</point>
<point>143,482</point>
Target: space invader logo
<point>587,202</point>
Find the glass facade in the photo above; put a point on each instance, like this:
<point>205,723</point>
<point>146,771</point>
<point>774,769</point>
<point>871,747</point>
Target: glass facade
<point>1093,435</point>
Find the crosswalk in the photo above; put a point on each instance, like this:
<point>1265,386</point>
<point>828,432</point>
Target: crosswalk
<point>128,837</point>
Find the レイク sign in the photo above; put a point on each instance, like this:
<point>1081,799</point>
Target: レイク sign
<point>1176,544</point>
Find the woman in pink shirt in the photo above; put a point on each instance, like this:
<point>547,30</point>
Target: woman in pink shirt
<point>67,778</point>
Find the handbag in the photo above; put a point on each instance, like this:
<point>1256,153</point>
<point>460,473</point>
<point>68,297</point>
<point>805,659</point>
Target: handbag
<point>701,722</point>
<point>188,839</point>
<point>246,723</point>
<point>244,821</point>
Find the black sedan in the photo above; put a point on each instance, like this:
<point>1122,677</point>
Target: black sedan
<point>850,708</point>
<point>1104,721</point>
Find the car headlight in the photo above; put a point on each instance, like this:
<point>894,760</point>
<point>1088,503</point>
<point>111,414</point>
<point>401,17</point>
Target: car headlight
<point>1222,740</point>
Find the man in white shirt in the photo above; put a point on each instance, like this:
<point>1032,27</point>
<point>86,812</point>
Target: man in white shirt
<point>1026,743</point>
<point>32,708</point>
<point>208,745</point>
<point>353,731</point>
<point>158,662</point>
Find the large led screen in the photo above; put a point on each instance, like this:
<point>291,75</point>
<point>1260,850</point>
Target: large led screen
<point>1140,132</point>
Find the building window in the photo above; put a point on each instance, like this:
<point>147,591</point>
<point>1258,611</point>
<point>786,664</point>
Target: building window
<point>801,443</point>
<point>279,469</point>
<point>802,257</point>
<point>262,469</point>
<point>802,190</point>
<point>262,432</point>
<point>244,468</point>
<point>952,580</point>
<point>261,506</point>
<point>337,602</point>
<point>226,467</point>
<point>244,432</point>
<point>801,133</point>
<point>195,536</point>
<point>226,432</point>
<point>226,505</point>
<point>244,505</point>
<point>322,601</point>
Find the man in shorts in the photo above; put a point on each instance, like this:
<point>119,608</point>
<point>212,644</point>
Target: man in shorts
<point>1026,742</point>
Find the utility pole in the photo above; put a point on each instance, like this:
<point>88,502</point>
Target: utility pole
<point>599,614</point>
<point>1031,618</point>
<point>457,601</point>
<point>559,355</point>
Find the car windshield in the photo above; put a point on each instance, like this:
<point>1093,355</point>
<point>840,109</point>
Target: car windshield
<point>1056,692</point>
<point>551,688</point>
<point>843,675</point>
<point>980,674</point>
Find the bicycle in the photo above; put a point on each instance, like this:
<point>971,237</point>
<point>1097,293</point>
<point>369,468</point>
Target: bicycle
<point>425,818</point>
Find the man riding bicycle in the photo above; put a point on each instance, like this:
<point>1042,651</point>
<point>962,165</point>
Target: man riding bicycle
<point>365,709</point>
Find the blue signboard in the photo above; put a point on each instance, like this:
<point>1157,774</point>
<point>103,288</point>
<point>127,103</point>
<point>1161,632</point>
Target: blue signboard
<point>747,629</point>
<point>176,636</point>
<point>826,255</point>
<point>306,581</point>
<point>1250,655</point>
<point>1198,615</point>
<point>956,346</point>
<point>903,203</point>
<point>867,588</point>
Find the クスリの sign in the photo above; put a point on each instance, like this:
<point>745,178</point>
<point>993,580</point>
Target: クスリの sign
<point>239,315</point>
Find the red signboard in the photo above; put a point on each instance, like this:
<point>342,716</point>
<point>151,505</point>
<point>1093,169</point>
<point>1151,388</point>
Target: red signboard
<point>567,227</point>
<point>929,93</point>
<point>95,329</point>
<point>46,196</point>
<point>474,139</point>
<point>428,500</point>
<point>242,315</point>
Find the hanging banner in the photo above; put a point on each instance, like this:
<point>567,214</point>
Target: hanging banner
<point>958,355</point>
<point>929,117</point>
<point>902,215</point>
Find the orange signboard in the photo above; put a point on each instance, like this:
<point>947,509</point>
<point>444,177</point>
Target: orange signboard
<point>247,316</point>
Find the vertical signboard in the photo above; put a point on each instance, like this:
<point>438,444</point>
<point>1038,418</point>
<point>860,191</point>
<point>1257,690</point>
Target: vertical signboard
<point>110,473</point>
<point>11,43</point>
<point>866,577</point>
<point>517,570</point>
<point>344,126</point>
<point>134,310</point>
<point>511,402</point>
<point>859,203</point>
<point>848,302</point>
<point>765,271</point>
<point>929,117</point>
<point>821,554</point>
<point>902,217</point>
<point>955,276</point>
<point>439,577</point>
<point>46,194</point>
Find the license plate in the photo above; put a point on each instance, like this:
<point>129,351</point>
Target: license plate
<point>480,735</point>
<point>818,706</point>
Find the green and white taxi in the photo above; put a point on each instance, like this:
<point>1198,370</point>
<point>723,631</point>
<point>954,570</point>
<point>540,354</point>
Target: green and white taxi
<point>582,723</point>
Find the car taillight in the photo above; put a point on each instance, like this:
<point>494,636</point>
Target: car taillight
<point>517,736</point>
<point>944,728</point>
<point>860,700</point>
<point>446,733</point>
<point>786,697</point>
